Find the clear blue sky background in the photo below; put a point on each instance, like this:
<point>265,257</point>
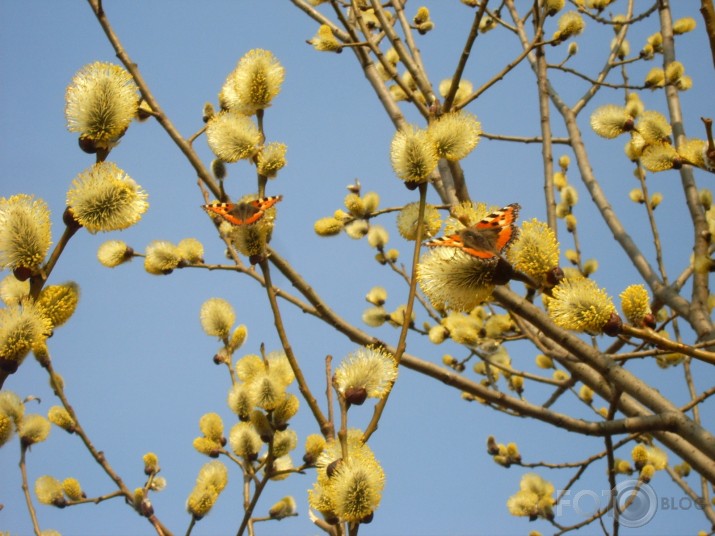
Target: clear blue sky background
<point>136,363</point>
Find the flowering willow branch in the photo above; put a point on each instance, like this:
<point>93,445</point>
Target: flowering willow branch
<point>640,395</point>
<point>99,456</point>
<point>402,341</point>
<point>699,313</point>
<point>459,70</point>
<point>183,145</point>
<point>501,74</point>
<point>26,492</point>
<point>389,68</point>
<point>708,12</point>
<point>523,139</point>
<point>600,79</point>
<point>547,154</point>
<point>414,68</point>
<point>667,344</point>
<point>325,425</point>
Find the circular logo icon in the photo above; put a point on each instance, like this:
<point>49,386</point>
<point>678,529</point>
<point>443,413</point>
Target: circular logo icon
<point>636,503</point>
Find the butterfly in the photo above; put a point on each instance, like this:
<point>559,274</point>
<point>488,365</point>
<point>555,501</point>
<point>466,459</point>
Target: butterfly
<point>488,238</point>
<point>243,212</point>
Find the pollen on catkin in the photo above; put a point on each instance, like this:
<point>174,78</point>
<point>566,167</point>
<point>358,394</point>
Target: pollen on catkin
<point>12,406</point>
<point>368,370</point>
<point>375,316</point>
<point>217,317</point>
<point>453,279</point>
<point>254,83</point>
<point>610,121</point>
<point>654,127</point>
<point>464,90</point>
<point>161,257</point>
<point>356,488</point>
<point>271,159</point>
<point>325,41</point>
<point>72,489</point>
<point>284,508</point>
<point>58,302</point>
<point>244,440</point>
<point>579,305</point>
<point>13,291</point>
<point>407,220</point>
<point>347,489</point>
<point>655,78</point>
<point>211,426</point>
<point>328,226</point>
<point>241,400</point>
<point>267,390</point>
<point>455,135</point>
<point>25,236</point>
<point>101,102</point>
<point>59,416</point>
<point>693,151</point>
<point>22,326</point>
<point>684,25</point>
<point>190,250</point>
<point>284,442</point>
<point>534,498</point>
<point>211,481</point>
<point>635,304</point>
<point>659,157</point>
<point>285,410</point>
<point>232,136</point>
<point>104,198</point>
<point>569,24</point>
<point>33,429</point>
<point>377,236</point>
<point>249,367</point>
<point>413,155</point>
<point>536,250</point>
<point>113,253</point>
<point>314,445</point>
<point>7,427</point>
<point>49,491</point>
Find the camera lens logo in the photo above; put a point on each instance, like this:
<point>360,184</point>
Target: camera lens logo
<point>636,503</point>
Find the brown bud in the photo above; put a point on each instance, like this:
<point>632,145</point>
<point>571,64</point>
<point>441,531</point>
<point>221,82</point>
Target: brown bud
<point>649,321</point>
<point>255,259</point>
<point>87,145</point>
<point>368,518</point>
<point>330,469</point>
<point>355,187</point>
<point>613,326</point>
<point>492,447</point>
<point>355,395</point>
<point>22,273</point>
<point>69,220</point>
<point>554,276</point>
<point>503,272</point>
<point>146,509</point>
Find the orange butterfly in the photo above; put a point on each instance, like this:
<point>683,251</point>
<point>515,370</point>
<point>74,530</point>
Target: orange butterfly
<point>488,238</point>
<point>243,212</point>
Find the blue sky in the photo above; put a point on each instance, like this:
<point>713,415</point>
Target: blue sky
<point>136,364</point>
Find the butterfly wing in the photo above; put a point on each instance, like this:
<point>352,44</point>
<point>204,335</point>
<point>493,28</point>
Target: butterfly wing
<point>488,238</point>
<point>264,203</point>
<point>243,213</point>
<point>502,224</point>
